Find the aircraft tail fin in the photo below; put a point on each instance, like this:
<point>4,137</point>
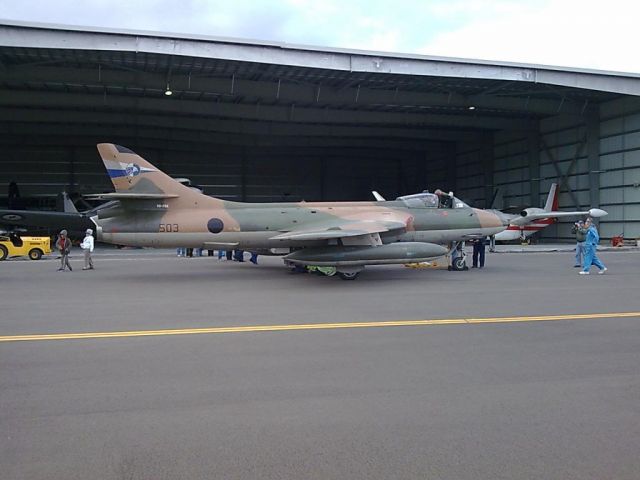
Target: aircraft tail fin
<point>552,199</point>
<point>67,205</point>
<point>134,178</point>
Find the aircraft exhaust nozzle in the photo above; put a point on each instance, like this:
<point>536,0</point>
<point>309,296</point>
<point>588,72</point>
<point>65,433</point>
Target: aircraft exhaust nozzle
<point>529,211</point>
<point>597,212</point>
<point>361,255</point>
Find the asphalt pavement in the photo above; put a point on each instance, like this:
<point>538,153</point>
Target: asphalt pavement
<point>536,392</point>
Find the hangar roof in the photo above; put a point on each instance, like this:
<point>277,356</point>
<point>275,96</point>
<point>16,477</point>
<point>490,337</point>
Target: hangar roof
<point>241,86</point>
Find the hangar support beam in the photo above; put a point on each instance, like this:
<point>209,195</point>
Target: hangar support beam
<point>283,92</point>
<point>245,127</point>
<point>219,141</point>
<point>201,149</point>
<point>533,153</point>
<point>275,113</point>
<point>486,157</point>
<point>451,167</point>
<point>593,155</point>
<point>563,177</point>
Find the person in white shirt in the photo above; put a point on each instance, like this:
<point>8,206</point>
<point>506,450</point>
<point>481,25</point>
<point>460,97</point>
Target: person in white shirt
<point>87,248</point>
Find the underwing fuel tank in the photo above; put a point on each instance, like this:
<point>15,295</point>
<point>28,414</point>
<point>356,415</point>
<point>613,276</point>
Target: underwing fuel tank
<point>361,255</point>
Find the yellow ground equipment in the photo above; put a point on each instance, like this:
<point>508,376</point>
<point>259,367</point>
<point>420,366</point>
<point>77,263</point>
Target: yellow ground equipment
<point>15,246</point>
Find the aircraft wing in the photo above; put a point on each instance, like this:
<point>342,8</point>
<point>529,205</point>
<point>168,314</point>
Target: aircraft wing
<point>129,196</point>
<point>523,220</point>
<point>350,229</point>
<point>53,220</point>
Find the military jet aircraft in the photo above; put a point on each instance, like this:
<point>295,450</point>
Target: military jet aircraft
<point>76,222</point>
<point>156,211</point>
<point>70,219</point>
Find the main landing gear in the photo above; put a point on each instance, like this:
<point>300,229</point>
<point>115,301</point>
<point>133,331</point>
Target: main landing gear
<point>348,275</point>
<point>345,273</point>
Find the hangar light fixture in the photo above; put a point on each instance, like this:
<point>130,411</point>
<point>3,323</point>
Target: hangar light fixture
<point>168,91</point>
<point>471,107</point>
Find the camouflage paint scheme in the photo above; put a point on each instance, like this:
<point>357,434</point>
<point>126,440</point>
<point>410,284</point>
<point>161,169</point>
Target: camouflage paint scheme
<point>156,211</point>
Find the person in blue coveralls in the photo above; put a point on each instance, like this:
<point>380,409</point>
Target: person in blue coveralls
<point>590,245</point>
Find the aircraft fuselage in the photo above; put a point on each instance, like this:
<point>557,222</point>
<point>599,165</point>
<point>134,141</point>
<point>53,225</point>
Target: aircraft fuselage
<point>253,225</point>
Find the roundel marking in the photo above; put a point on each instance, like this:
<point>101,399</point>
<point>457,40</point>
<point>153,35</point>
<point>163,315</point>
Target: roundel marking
<point>132,170</point>
<point>215,225</point>
<point>12,216</point>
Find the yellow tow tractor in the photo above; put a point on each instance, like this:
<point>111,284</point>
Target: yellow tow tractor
<point>14,246</point>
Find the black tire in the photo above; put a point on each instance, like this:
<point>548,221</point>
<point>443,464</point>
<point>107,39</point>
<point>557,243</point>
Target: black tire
<point>3,252</point>
<point>459,264</point>
<point>348,275</point>
<point>35,254</point>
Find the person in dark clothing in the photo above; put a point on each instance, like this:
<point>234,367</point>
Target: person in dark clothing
<point>13,197</point>
<point>64,247</point>
<point>445,200</point>
<point>478,253</point>
<point>580,232</point>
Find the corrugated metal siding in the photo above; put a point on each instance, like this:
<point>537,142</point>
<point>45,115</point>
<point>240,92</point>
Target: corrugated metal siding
<point>470,183</point>
<point>620,161</point>
<point>252,174</point>
<point>43,172</point>
<point>563,140</point>
<point>511,170</point>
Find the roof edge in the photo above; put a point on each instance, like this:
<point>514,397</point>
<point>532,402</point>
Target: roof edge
<point>310,48</point>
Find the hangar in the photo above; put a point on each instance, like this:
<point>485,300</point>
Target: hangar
<point>264,121</point>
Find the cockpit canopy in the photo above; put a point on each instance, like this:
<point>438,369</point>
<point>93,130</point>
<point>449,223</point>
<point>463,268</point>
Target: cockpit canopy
<point>432,200</point>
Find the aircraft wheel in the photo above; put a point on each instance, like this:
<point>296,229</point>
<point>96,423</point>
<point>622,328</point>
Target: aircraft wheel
<point>348,275</point>
<point>35,254</point>
<point>459,263</point>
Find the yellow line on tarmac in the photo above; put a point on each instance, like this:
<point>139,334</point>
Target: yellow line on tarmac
<point>311,326</point>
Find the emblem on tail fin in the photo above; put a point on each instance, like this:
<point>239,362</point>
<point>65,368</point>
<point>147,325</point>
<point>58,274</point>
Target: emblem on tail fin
<point>128,170</point>
<point>132,170</point>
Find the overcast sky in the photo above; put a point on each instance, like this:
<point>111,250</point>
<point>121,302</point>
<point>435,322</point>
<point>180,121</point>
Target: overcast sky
<point>600,34</point>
